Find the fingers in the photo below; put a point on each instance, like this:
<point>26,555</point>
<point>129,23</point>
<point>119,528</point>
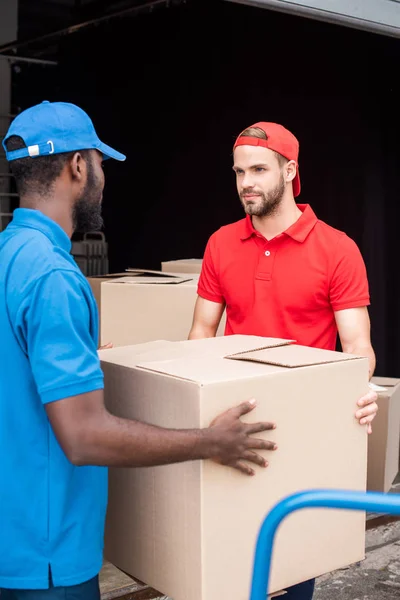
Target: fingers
<point>369,429</point>
<point>259,427</point>
<point>255,458</point>
<point>368,399</point>
<point>367,420</point>
<point>367,414</point>
<point>106,346</point>
<point>243,468</point>
<point>243,408</point>
<point>258,444</point>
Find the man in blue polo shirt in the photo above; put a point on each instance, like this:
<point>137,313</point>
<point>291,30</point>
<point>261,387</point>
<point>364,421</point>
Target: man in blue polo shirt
<point>56,436</point>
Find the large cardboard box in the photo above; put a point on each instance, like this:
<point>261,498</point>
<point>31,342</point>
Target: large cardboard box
<point>95,284</point>
<point>189,530</point>
<point>184,265</point>
<point>384,441</point>
<point>145,306</point>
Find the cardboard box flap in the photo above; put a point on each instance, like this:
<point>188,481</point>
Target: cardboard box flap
<point>229,344</point>
<point>150,273</point>
<point>157,351</point>
<point>208,370</point>
<point>217,347</point>
<point>138,279</point>
<point>111,275</point>
<point>293,356</point>
<point>386,382</point>
<point>195,261</point>
<point>206,363</point>
<point>128,356</point>
<point>379,389</point>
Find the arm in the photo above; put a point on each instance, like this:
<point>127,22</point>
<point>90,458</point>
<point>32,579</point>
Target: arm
<point>349,297</point>
<point>354,331</point>
<point>206,319</point>
<point>90,435</point>
<point>61,344</point>
<point>210,302</point>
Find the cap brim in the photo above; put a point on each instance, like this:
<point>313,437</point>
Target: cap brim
<point>109,152</point>
<point>296,184</point>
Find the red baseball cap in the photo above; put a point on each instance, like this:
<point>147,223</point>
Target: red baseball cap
<point>278,139</point>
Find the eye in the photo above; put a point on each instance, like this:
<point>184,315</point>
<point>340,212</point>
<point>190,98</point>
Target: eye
<point>259,169</point>
<point>239,172</point>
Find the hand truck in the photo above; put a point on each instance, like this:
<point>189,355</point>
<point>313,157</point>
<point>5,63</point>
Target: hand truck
<point>338,499</point>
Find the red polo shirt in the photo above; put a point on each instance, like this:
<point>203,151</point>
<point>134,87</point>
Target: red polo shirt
<point>288,287</point>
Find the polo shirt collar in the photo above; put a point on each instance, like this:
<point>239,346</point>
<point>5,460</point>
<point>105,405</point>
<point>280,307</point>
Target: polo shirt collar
<point>299,231</point>
<point>34,219</point>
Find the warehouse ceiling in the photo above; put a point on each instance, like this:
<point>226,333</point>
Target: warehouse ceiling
<point>41,23</point>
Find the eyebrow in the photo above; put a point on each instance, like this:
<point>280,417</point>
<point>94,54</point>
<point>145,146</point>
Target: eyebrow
<point>265,166</point>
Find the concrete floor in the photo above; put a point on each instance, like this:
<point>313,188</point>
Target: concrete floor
<point>376,578</point>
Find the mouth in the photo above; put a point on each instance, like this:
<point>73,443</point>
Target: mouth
<point>249,197</point>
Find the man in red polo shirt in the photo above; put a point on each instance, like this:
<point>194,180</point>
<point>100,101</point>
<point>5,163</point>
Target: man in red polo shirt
<point>281,272</point>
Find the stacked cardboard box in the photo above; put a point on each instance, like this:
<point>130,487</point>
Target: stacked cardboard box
<point>141,306</point>
<point>184,265</point>
<point>384,442</point>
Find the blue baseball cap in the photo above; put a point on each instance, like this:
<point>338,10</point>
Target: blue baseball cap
<point>55,127</point>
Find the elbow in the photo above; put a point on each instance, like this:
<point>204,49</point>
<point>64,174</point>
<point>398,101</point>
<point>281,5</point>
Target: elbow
<point>86,446</point>
<point>200,332</point>
<point>77,455</point>
<point>79,449</point>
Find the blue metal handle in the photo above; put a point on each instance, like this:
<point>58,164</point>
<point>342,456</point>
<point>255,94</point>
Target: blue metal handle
<point>338,499</point>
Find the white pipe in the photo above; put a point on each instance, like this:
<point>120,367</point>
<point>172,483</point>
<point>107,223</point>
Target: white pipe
<point>35,61</point>
<point>378,16</point>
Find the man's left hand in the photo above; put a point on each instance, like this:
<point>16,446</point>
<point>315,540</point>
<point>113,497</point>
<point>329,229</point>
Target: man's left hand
<point>367,410</point>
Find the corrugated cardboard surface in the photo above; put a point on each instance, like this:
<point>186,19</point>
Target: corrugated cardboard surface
<point>184,265</point>
<point>95,284</point>
<point>189,530</point>
<point>384,442</point>
<point>148,305</point>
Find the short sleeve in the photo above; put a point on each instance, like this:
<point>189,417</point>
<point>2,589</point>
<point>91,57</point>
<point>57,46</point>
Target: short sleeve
<point>209,285</point>
<point>59,338</point>
<point>349,283</point>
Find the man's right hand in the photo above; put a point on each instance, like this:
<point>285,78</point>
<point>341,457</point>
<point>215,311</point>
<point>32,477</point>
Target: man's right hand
<point>233,444</point>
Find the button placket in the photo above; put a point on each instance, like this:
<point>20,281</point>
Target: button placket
<point>265,263</point>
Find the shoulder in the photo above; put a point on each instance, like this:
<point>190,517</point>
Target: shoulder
<point>335,239</point>
<point>329,232</point>
<point>229,232</point>
<point>32,252</point>
<point>30,257</point>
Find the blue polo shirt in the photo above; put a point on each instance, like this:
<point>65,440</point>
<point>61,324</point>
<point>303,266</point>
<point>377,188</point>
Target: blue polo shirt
<point>51,512</point>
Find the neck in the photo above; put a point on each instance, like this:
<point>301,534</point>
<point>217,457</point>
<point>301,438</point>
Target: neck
<point>272,225</point>
<point>55,208</point>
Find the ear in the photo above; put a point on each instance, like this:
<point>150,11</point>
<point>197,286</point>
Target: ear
<point>290,170</point>
<point>78,167</point>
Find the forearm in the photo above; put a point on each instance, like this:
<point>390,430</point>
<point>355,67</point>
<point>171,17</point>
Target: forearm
<point>90,435</point>
<point>119,442</point>
<point>200,331</point>
<point>362,350</point>
<point>206,319</point>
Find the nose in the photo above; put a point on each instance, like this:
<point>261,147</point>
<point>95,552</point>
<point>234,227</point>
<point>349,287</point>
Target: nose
<point>247,181</point>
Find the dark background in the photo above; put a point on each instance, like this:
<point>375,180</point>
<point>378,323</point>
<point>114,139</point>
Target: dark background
<point>172,90</point>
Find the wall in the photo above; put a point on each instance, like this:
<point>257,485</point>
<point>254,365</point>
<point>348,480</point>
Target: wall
<point>173,89</point>
<point>8,33</point>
